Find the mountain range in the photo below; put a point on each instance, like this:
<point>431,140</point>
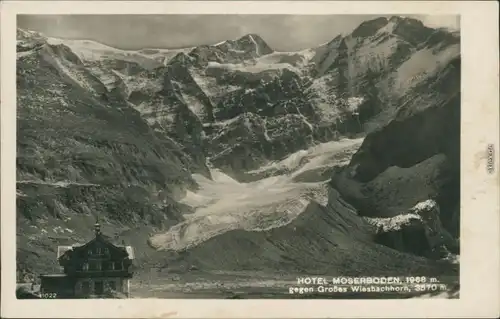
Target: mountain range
<point>155,141</point>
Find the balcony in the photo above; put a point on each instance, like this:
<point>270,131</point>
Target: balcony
<point>103,273</point>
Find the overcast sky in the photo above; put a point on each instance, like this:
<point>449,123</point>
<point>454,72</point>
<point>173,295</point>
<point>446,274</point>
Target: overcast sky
<point>281,32</point>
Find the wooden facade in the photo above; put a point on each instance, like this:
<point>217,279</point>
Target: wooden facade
<point>97,269</point>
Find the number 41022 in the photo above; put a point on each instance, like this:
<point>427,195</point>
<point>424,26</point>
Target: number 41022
<point>49,295</point>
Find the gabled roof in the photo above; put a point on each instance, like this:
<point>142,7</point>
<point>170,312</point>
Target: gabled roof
<point>62,250</point>
<point>106,240</point>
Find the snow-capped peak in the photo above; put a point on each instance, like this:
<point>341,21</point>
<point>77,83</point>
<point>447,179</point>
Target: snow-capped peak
<point>219,43</point>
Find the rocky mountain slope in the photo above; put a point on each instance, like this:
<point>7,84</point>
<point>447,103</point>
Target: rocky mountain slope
<point>137,136</point>
<point>413,158</point>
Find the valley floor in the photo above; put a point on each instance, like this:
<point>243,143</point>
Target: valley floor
<point>249,285</point>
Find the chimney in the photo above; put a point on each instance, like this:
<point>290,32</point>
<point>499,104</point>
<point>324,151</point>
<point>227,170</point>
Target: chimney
<point>97,227</point>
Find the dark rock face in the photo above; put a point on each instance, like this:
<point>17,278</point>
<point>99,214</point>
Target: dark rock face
<point>413,158</point>
<point>369,28</point>
<point>411,30</point>
<point>418,231</point>
<point>386,148</point>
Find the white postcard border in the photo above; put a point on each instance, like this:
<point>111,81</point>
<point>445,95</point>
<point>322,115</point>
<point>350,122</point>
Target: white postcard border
<point>480,221</point>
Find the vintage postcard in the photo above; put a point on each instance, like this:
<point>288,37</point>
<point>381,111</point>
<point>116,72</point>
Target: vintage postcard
<point>249,159</point>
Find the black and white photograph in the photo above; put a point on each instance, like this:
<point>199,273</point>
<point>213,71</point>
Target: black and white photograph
<point>239,156</point>
<point>260,158</point>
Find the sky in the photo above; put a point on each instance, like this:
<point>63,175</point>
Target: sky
<point>281,32</point>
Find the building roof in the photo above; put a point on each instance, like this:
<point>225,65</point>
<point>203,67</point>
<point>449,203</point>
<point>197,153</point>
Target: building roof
<point>61,250</point>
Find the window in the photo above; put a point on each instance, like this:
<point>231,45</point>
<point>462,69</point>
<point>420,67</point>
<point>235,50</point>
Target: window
<point>106,251</point>
<point>86,287</point>
<point>95,265</point>
<point>115,265</point>
<point>98,288</point>
<point>112,285</point>
<point>98,250</point>
<point>85,266</point>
